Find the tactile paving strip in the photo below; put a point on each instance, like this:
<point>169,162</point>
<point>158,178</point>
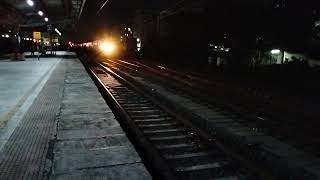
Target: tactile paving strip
<point>24,155</point>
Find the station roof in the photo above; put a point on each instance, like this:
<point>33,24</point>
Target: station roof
<point>19,12</point>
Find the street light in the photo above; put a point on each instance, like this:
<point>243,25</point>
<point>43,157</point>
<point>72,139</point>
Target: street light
<point>46,19</point>
<point>40,13</point>
<point>30,2</point>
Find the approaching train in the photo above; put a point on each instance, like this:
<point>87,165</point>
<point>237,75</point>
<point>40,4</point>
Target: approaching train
<point>110,47</point>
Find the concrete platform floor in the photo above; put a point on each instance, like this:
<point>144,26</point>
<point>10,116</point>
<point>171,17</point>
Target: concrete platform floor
<point>55,125</point>
<point>20,83</point>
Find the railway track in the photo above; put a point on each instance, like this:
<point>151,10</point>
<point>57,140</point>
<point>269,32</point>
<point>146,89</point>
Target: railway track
<point>246,134</point>
<point>267,122</point>
<point>173,148</point>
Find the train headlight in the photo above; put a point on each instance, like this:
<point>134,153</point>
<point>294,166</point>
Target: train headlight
<point>107,47</point>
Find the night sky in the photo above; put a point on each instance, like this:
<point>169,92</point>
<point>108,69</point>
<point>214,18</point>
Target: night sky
<point>245,20</point>
<point>116,12</point>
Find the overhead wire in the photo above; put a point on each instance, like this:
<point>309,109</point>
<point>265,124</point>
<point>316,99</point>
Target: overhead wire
<point>102,7</point>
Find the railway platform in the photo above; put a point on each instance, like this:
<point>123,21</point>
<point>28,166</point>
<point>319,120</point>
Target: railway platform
<point>54,124</point>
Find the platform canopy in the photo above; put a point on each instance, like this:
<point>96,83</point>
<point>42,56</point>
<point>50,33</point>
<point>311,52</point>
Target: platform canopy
<point>26,13</point>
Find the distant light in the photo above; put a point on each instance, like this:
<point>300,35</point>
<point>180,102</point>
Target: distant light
<point>121,37</point>
<point>6,36</point>
<point>9,31</point>
<point>107,47</point>
<point>138,39</point>
<point>57,31</point>
<point>2,35</point>
<point>27,39</point>
<point>46,19</point>
<point>40,13</point>
<point>129,29</point>
<point>30,2</point>
<point>70,44</point>
<point>275,51</point>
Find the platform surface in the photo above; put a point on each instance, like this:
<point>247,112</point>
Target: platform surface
<point>56,125</point>
<point>20,83</point>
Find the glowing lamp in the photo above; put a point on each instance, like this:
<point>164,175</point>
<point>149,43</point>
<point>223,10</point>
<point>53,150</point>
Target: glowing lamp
<point>30,2</point>
<point>275,51</point>
<point>40,13</point>
<point>107,47</point>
